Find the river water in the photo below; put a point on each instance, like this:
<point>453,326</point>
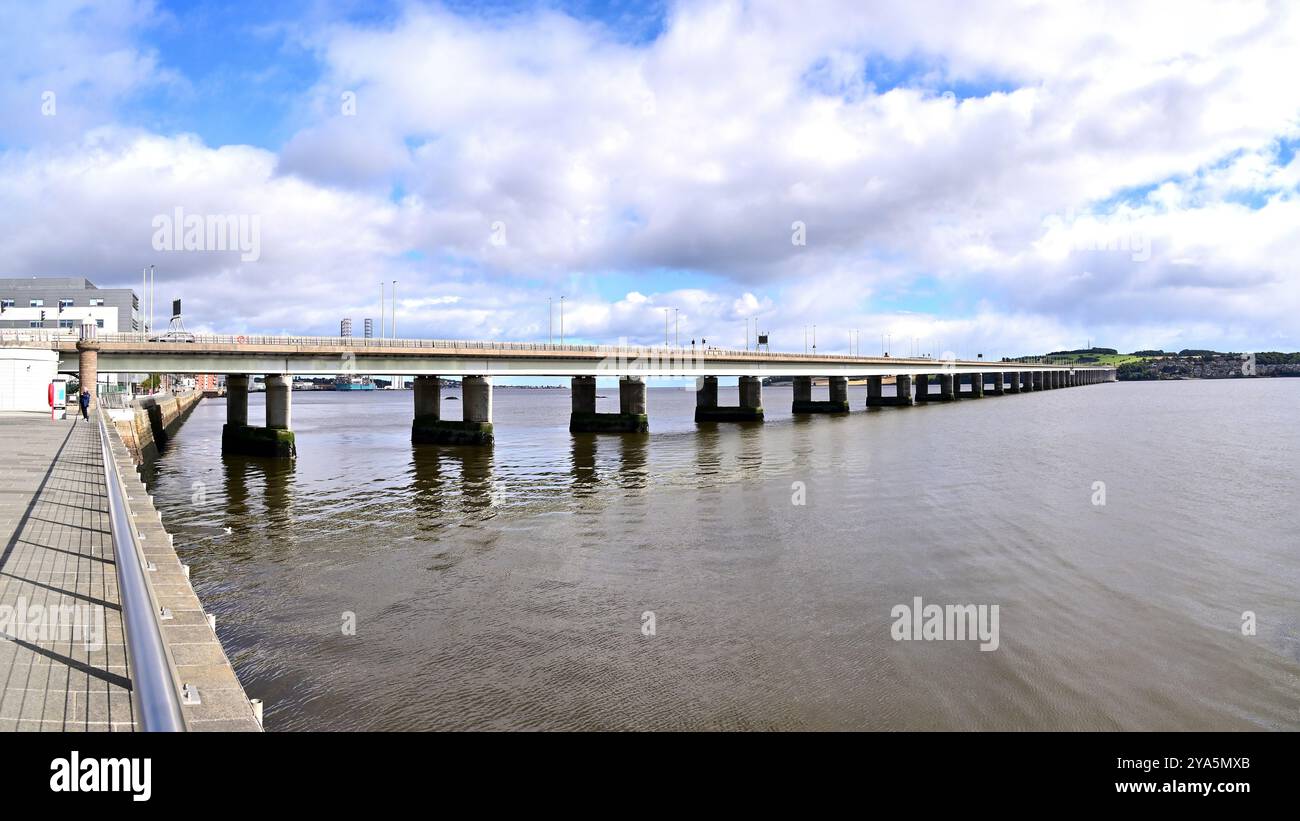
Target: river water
<point>510,587</point>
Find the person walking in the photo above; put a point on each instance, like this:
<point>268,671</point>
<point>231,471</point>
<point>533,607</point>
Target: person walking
<point>85,405</point>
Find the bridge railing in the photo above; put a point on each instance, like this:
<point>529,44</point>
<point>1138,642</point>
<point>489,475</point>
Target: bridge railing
<point>22,336</point>
<point>18,336</point>
<point>674,351</point>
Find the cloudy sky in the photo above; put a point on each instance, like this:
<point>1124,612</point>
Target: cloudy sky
<point>1000,178</point>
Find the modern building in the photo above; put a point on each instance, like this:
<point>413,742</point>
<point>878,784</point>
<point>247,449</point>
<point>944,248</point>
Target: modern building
<point>55,303</point>
<point>206,382</point>
<point>345,327</point>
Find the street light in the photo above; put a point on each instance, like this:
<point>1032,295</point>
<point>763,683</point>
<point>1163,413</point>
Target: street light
<point>561,320</point>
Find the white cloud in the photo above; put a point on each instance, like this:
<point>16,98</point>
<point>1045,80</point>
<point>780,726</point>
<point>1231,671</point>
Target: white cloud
<point>697,151</point>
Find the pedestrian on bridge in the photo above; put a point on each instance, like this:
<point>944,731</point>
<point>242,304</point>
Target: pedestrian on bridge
<point>85,405</point>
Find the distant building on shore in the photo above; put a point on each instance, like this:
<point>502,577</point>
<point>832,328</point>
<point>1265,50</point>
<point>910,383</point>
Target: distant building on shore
<point>206,382</point>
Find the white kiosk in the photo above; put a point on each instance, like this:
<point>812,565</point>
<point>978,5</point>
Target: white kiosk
<point>27,378</point>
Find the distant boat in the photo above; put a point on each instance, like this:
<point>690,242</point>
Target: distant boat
<point>353,383</point>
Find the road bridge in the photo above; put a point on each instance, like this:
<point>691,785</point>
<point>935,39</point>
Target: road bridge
<point>477,363</point>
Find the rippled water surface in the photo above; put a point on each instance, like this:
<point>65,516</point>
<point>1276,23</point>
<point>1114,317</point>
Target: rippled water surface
<point>504,587</point>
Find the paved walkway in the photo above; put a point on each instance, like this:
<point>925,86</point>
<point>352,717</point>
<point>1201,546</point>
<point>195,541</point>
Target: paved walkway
<point>63,663</point>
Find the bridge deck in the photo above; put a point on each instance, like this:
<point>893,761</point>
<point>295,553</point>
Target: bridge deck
<point>58,554</point>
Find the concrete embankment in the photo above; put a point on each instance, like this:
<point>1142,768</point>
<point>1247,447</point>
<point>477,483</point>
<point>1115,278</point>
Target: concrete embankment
<point>147,424</point>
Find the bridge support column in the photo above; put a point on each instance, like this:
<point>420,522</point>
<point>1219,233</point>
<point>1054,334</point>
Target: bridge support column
<point>276,440</point>
<point>838,387</point>
<point>428,397</point>
<point>87,369</point>
<point>1013,381</point>
<point>875,394</point>
<point>279,402</point>
<point>802,391</point>
<point>902,390</point>
<point>750,408</point>
<point>998,384</point>
<point>475,428</point>
<point>1036,378</point>
<point>947,387</point>
<point>631,417</point>
<point>751,394</point>
<point>922,381</point>
<point>237,400</point>
<point>977,386</point>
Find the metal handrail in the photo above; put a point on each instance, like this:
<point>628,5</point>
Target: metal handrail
<point>153,689</point>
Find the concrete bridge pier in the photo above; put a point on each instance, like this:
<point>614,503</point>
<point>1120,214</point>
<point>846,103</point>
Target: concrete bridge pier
<point>237,400</point>
<point>750,408</point>
<point>802,392</point>
<point>922,381</point>
<point>977,386</point>
<point>947,387</point>
<point>1036,380</point>
<point>997,383</point>
<point>631,416</point>
<point>902,391</point>
<point>1013,381</point>
<point>875,394</point>
<point>475,428</point>
<point>804,403</point>
<point>276,440</point>
<point>279,402</point>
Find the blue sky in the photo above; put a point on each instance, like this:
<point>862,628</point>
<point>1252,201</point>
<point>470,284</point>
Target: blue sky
<point>964,175</point>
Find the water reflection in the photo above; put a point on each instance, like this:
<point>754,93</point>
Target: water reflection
<point>242,476</point>
<point>634,454</point>
<point>449,479</point>
<point>583,455</point>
